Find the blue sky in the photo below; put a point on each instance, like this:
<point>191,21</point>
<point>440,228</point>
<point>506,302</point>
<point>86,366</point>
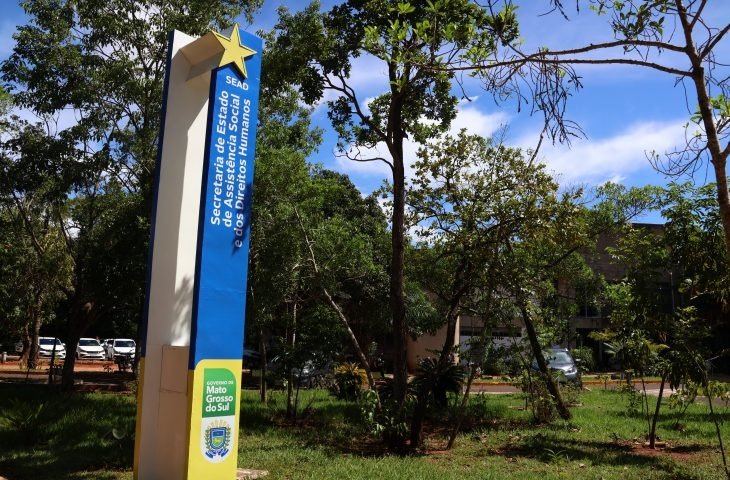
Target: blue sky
<point>624,111</point>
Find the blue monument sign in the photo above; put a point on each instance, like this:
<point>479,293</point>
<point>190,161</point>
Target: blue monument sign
<point>188,397</point>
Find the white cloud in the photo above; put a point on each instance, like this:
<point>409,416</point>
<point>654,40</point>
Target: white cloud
<point>368,77</point>
<point>369,74</point>
<point>55,123</point>
<point>468,117</point>
<point>613,158</point>
<point>616,179</point>
<point>478,122</point>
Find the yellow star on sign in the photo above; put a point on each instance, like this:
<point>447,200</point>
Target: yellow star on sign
<point>233,51</point>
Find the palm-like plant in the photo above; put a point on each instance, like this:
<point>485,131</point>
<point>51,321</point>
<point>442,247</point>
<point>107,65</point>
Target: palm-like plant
<point>431,383</point>
<point>434,379</point>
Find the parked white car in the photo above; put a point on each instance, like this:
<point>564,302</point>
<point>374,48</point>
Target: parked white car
<point>120,347</point>
<point>45,347</point>
<point>90,348</point>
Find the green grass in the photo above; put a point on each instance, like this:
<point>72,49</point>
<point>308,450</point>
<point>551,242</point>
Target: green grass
<point>71,438</point>
<point>597,443</point>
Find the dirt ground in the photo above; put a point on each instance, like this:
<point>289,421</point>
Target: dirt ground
<point>11,364</point>
<point>90,375</point>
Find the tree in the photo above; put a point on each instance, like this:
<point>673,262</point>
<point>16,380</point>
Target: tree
<point>695,237</point>
<point>668,313</point>
<point>284,140</point>
<point>469,197</point>
<point>545,259</point>
<point>328,236</point>
<point>35,266</point>
<point>411,40</point>
<point>490,219</point>
<point>674,37</point>
<point>315,238</point>
<point>29,289</point>
<point>104,61</point>
<point>343,234</point>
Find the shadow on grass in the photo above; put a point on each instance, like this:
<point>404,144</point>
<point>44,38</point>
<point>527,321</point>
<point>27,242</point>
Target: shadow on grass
<point>335,426</point>
<point>322,421</point>
<point>47,434</point>
<point>552,449</point>
<point>699,417</point>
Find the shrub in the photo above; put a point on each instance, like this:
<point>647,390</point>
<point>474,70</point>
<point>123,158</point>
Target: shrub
<point>349,379</point>
<point>635,399</point>
<point>570,393</point>
<point>25,418</point>
<point>584,358</point>
<point>537,397</point>
<point>482,410</point>
<point>389,421</point>
<point>434,379</point>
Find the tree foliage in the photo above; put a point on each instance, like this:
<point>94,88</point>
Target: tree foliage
<point>675,37</point>
<point>92,72</point>
<point>413,41</point>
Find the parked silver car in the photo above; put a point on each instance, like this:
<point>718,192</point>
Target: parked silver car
<point>559,360</point>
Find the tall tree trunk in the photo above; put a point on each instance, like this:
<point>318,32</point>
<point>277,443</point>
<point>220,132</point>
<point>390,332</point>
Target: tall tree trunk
<point>72,340</point>
<point>452,319</point>
<point>395,137</point>
<point>652,431</point>
<point>82,315</point>
<point>397,295</point>
<point>291,344</point>
<point>37,321</point>
<point>718,156</point>
<point>25,352</point>
<point>452,316</point>
<point>29,355</point>
<point>264,360</point>
<point>543,366</point>
<point>462,410</point>
<point>419,412</point>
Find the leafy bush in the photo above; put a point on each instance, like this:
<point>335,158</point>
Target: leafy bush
<point>481,410</point>
<point>584,358</point>
<point>349,379</point>
<point>537,397</point>
<point>379,420</point>
<point>25,418</point>
<point>635,399</point>
<point>434,378</point>
<point>496,366</point>
<point>385,418</point>
<point>718,390</point>
<point>570,393</point>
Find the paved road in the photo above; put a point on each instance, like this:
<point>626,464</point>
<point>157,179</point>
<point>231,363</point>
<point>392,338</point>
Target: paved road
<point>652,388</point>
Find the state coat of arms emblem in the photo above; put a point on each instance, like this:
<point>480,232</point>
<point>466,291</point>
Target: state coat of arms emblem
<point>217,440</point>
